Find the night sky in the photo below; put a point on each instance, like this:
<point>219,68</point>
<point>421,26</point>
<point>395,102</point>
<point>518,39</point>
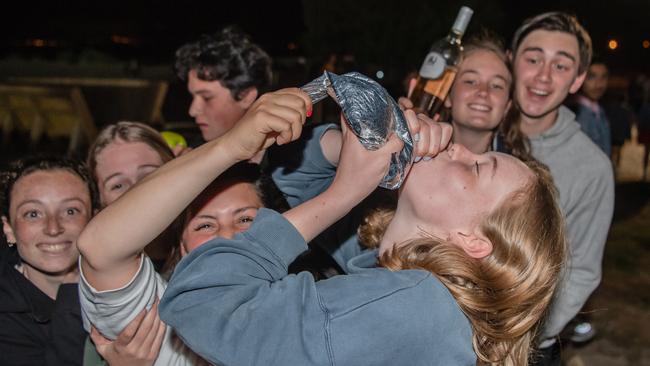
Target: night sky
<point>381,33</point>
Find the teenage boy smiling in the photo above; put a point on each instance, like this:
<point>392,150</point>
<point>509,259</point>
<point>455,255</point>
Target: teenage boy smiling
<point>551,53</point>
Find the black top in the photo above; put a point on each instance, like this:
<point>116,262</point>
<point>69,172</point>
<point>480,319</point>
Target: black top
<point>34,329</point>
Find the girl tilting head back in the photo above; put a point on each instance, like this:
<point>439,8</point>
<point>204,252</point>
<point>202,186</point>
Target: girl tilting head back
<point>395,305</point>
<point>505,293</point>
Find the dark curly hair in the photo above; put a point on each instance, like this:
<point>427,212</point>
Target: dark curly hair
<point>228,56</point>
<point>22,167</point>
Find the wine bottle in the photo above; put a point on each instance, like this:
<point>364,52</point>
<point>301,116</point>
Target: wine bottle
<point>439,67</point>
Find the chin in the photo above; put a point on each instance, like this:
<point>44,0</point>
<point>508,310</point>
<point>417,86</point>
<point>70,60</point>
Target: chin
<point>58,269</point>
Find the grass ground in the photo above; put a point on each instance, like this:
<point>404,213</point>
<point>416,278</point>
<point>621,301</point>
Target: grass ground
<point>620,307</point>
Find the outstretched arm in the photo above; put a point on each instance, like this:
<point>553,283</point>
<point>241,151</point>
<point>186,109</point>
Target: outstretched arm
<point>111,242</point>
<point>236,293</point>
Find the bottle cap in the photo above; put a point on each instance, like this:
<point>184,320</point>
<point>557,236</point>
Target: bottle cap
<point>462,20</point>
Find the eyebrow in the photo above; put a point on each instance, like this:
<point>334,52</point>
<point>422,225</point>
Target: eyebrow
<point>200,91</point>
<point>38,202</point>
<point>141,167</point>
<point>120,173</point>
<point>27,202</point>
<point>242,209</point>
<point>494,166</point>
<point>567,55</point>
<point>468,71</point>
<point>111,177</point>
<point>239,210</point>
<point>561,53</point>
<point>472,71</point>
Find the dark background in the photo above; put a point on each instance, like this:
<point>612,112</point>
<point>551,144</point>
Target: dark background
<point>382,32</point>
<point>138,38</point>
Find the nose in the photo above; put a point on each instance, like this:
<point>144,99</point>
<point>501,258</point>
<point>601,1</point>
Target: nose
<point>194,108</point>
<point>544,72</point>
<point>53,227</point>
<point>229,231</point>
<point>482,89</point>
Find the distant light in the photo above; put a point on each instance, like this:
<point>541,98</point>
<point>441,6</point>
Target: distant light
<point>646,43</point>
<point>121,39</point>
<point>380,74</point>
<point>292,46</point>
<point>612,44</point>
<point>36,42</point>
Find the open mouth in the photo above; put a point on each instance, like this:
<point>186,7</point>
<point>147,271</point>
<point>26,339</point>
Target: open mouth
<point>54,248</point>
<point>479,107</point>
<point>539,92</point>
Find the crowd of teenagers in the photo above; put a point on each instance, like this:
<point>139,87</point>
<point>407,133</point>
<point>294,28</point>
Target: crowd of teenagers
<point>271,243</point>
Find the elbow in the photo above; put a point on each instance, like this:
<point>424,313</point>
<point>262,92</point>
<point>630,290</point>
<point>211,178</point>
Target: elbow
<point>85,246</point>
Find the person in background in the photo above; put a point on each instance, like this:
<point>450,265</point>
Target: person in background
<point>225,72</point>
<point>130,286</point>
<point>480,98</point>
<point>480,95</point>
<point>643,126</point>
<point>551,53</point>
<point>620,118</point>
<point>46,202</point>
<point>122,154</point>
<point>589,111</point>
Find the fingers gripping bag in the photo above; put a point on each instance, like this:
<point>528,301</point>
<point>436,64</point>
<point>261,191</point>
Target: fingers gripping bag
<point>371,113</point>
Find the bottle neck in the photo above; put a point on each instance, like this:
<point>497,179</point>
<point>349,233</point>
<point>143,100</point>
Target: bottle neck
<point>454,36</point>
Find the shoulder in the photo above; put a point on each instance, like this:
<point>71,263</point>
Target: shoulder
<point>381,288</point>
<point>401,317</point>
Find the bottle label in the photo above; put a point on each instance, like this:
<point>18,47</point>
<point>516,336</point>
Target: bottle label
<point>433,66</point>
<point>441,86</point>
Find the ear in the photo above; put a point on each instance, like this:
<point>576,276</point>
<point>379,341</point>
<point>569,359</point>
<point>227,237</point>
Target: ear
<point>475,245</point>
<point>577,83</point>
<point>247,97</point>
<point>8,230</point>
<point>510,56</point>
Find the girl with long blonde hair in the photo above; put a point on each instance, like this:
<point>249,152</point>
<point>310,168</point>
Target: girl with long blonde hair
<point>491,219</point>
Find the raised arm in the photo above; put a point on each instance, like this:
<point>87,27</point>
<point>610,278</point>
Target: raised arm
<point>230,295</point>
<point>111,242</point>
<point>358,174</point>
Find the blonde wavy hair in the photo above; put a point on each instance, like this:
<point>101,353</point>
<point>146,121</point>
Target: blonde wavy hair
<point>127,131</point>
<point>505,295</point>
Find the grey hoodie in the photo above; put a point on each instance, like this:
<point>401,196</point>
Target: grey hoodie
<point>584,178</point>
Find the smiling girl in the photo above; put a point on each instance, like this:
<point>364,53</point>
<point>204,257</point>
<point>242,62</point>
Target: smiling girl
<point>46,202</point>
